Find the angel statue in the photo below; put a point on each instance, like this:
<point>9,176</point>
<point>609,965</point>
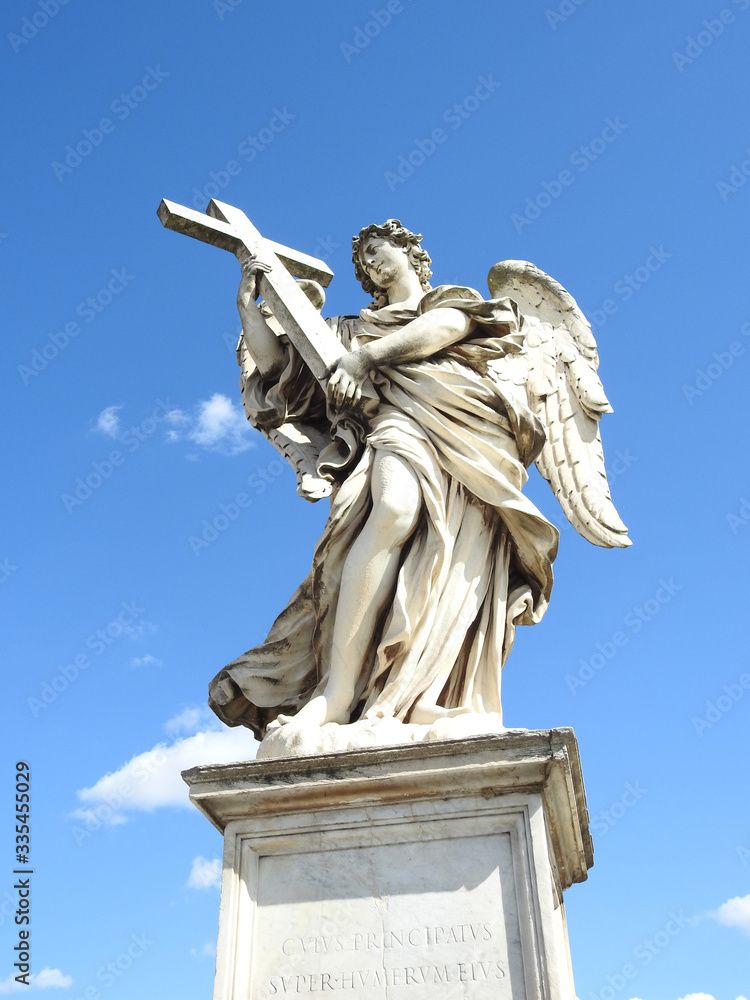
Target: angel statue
<point>431,555</point>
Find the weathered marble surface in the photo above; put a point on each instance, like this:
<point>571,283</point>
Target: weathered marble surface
<point>309,741</point>
<point>427,871</point>
<point>419,417</point>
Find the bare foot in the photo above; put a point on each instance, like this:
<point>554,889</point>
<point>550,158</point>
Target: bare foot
<point>424,713</point>
<point>316,712</point>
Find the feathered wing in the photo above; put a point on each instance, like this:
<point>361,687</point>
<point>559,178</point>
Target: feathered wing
<point>559,373</point>
<point>298,442</point>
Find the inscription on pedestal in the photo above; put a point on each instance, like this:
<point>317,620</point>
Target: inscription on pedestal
<point>413,945</point>
<point>418,920</point>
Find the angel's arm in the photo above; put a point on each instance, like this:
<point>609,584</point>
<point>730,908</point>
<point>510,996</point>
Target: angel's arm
<point>420,339</point>
<point>424,336</point>
<point>261,341</point>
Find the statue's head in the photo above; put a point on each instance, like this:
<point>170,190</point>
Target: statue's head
<point>398,236</point>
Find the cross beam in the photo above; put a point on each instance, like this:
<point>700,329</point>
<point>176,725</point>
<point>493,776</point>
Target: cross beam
<point>229,228</point>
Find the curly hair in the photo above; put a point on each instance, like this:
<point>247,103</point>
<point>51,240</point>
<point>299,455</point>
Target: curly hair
<point>398,236</point>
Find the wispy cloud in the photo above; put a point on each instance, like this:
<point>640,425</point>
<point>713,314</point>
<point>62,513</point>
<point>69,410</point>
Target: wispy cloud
<point>145,661</point>
<point>698,996</point>
<point>139,630</point>
<point>703,996</point>
<point>190,720</point>
<point>108,422</point>
<point>217,424</point>
<point>208,950</point>
<point>205,873</point>
<point>180,424</point>
<point>38,980</point>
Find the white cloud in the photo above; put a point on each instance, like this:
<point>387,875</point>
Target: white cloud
<point>51,977</point>
<point>734,913</point>
<point>139,630</point>
<point>177,417</point>
<point>189,720</point>
<point>207,951</point>
<point>703,996</point>
<point>217,425</point>
<point>180,424</point>
<point>145,661</point>
<point>151,780</point>
<point>218,420</point>
<point>38,980</point>
<point>108,422</point>
<point>205,874</point>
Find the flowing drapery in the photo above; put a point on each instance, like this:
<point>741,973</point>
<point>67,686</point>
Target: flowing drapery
<point>479,562</point>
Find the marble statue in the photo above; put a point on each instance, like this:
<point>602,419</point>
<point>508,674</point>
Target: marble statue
<point>418,419</point>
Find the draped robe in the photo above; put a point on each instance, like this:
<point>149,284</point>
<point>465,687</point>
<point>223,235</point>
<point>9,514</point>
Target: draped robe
<point>479,561</point>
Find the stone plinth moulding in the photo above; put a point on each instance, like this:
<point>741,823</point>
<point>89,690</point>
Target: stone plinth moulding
<point>430,870</point>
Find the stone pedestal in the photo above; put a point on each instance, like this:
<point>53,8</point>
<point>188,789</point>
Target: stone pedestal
<point>431,870</point>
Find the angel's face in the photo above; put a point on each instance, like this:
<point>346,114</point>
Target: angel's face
<point>384,262</point>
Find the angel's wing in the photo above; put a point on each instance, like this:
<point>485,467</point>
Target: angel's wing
<point>564,390</point>
<point>299,442</point>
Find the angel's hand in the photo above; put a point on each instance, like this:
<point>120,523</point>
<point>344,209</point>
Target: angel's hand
<point>251,266</point>
<point>349,375</point>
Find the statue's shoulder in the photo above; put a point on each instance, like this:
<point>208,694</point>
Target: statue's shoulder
<point>444,295</point>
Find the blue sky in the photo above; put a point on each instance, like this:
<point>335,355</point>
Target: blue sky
<point>606,142</point>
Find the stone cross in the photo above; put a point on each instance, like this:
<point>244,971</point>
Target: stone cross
<point>229,228</point>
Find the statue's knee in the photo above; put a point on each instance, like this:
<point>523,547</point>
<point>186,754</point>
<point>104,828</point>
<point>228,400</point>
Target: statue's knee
<point>398,514</point>
<point>396,496</point>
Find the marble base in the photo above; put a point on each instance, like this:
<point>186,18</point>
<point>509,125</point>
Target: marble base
<point>430,870</point>
<point>369,733</point>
